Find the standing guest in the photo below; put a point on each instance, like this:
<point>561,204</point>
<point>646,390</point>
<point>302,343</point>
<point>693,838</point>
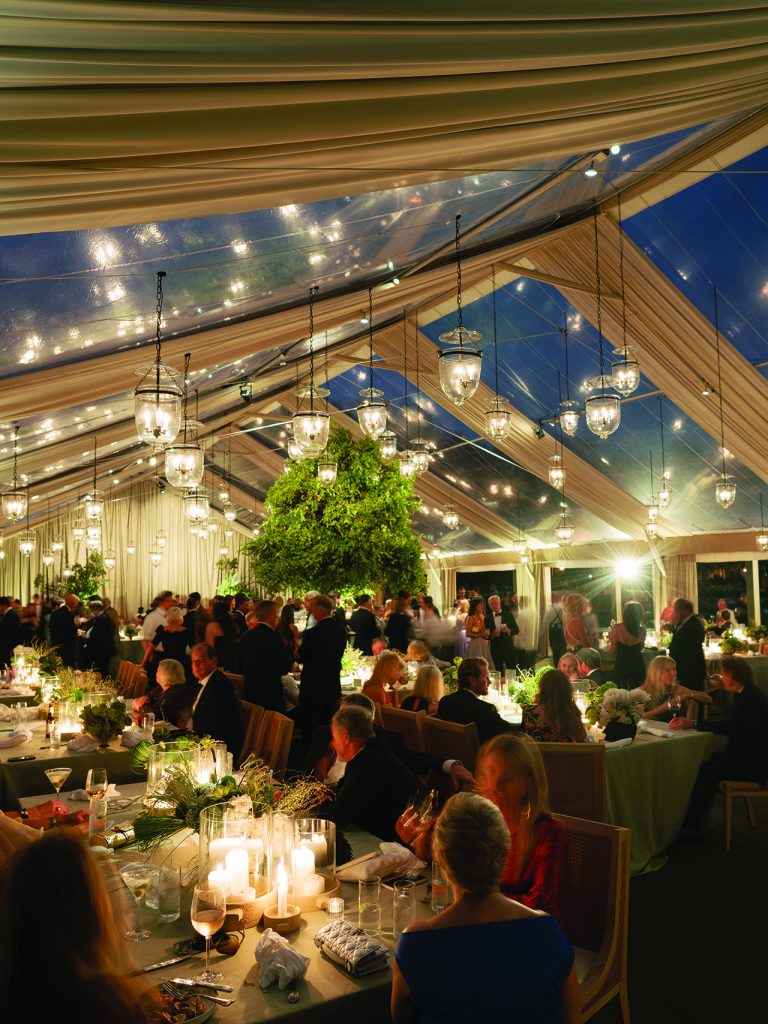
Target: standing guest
<point>477,632</point>
<point>687,646</point>
<point>552,627</point>
<point>309,598</point>
<point>464,706</point>
<point>668,614</point>
<point>320,653</point>
<point>574,606</point>
<point>79,945</point>
<point>387,677</point>
<point>720,618</point>
<point>156,617</point>
<point>569,664</point>
<point>28,619</point>
<point>399,625</point>
<point>505,953</point>
<point>174,639</point>
<point>101,643</point>
<point>289,635</point>
<point>553,717</point>
<point>221,633</point>
<point>502,627</point>
<point>378,645</point>
<point>626,642</point>
<point>64,630</point>
<point>339,613</point>
<point>193,618</point>
<point>216,709</point>
<point>242,605</point>
<point>746,758</point>
<point>11,634</point>
<point>261,656</point>
<point>427,691</point>
<point>172,699</point>
<point>527,639</point>
<point>364,625</point>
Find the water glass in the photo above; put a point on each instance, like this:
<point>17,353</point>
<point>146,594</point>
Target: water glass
<point>369,904</point>
<point>169,893</point>
<point>55,738</point>
<point>97,816</point>
<point>442,893</point>
<point>147,725</point>
<point>403,905</point>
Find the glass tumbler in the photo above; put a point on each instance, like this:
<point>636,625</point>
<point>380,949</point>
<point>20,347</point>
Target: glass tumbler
<point>403,905</point>
<point>369,904</point>
<point>442,894</point>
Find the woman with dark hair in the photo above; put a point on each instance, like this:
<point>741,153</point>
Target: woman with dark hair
<point>399,624</point>
<point>289,634</point>
<point>477,632</point>
<point>222,634</point>
<point>554,718</point>
<point>626,642</point>
<point>78,948</point>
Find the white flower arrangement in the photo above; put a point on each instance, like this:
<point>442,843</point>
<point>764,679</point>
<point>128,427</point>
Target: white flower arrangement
<point>624,706</point>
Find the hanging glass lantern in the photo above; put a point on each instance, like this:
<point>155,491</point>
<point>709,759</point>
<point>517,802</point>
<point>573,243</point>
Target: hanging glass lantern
<point>93,536</point>
<point>564,531</point>
<point>230,512</point>
<point>664,496</point>
<point>27,542</point>
<point>520,547</point>
<point>196,505</point>
<point>761,541</point>
<point>372,413</point>
<point>725,491</point>
<point>569,417</point>
<point>110,561</point>
<point>94,505</point>
<point>155,557</point>
<point>603,411</point>
<point>310,432</point>
<point>556,472</point>
<point>653,511</point>
<point>158,398</point>
<point>256,530</point>
<point>15,504</point>
<point>524,559</point>
<point>450,517</point>
<point>326,472</point>
<point>407,465</point>
<point>48,558</point>
<point>229,534</point>
<point>419,456</point>
<point>194,529</point>
<point>57,546</point>
<point>223,494</point>
<point>388,445</point>
<point>211,527</point>
<point>295,454</point>
<point>625,374</point>
<point>223,550</point>
<point>130,547</point>
<point>68,572</point>
<point>78,532</point>
<point>161,539</point>
<point>651,530</point>
<point>184,465</point>
<point>498,420</point>
<point>460,367</point>
<point>93,543</point>
<point>2,554</point>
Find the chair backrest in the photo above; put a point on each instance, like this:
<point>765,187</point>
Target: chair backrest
<point>131,680</point>
<point>406,723</point>
<point>237,683</point>
<point>251,718</point>
<point>140,686</point>
<point>595,902</point>
<point>576,777</point>
<point>450,739</point>
<point>274,741</point>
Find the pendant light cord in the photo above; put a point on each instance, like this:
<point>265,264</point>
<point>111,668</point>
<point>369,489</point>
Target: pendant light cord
<point>719,381</point>
<point>567,366</point>
<point>621,280</point>
<point>495,336</point>
<point>94,463</point>
<point>312,293</point>
<point>370,342</point>
<point>15,457</point>
<point>650,460</point>
<point>458,280</point>
<point>159,310</point>
<point>405,373</point>
<point>599,300</point>
<point>661,428</point>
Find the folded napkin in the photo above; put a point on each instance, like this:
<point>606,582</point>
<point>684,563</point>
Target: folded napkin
<point>80,794</point>
<point>53,812</point>
<point>619,743</point>
<point>278,961</point>
<point>392,858</point>
<point>16,738</point>
<point>133,738</point>
<point>84,743</point>
<point>657,730</point>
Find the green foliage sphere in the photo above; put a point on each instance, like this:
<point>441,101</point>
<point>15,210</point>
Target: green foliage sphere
<point>355,534</point>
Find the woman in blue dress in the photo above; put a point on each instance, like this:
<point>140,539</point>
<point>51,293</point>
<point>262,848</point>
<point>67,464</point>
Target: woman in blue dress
<point>485,957</point>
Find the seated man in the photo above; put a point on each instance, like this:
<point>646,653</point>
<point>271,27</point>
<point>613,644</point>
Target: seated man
<point>376,786</point>
<point>464,706</point>
<point>590,668</point>
<point>216,709</point>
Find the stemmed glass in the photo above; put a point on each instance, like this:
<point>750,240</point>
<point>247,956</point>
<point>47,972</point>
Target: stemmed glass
<point>137,877</point>
<point>209,907</point>
<point>96,783</point>
<point>57,777</point>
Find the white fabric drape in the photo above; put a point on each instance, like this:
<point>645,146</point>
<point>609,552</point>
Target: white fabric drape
<point>681,579</point>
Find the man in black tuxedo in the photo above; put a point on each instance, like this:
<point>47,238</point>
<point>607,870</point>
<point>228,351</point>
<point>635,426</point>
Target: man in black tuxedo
<point>11,633</point>
<point>464,706</point>
<point>64,629</point>
<point>364,625</point>
<point>501,627</point>
<point>320,655</point>
<point>216,710</point>
<point>101,642</point>
<point>240,610</point>
<point>687,646</point>
<point>261,656</point>
<point>590,668</point>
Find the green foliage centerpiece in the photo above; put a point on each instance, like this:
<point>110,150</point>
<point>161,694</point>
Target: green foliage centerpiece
<point>355,533</point>
<point>103,721</point>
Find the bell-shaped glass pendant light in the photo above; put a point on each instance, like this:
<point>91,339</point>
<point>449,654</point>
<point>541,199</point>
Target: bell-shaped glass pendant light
<point>158,398</point>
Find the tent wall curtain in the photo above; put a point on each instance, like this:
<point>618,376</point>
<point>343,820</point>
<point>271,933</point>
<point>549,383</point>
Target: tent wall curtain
<point>681,579</point>
<point>147,112</point>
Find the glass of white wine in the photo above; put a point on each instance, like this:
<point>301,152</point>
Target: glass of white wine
<point>209,908</point>
<point>96,783</point>
<point>57,777</point>
<point>137,877</point>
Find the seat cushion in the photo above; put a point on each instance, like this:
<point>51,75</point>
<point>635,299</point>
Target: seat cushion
<point>585,960</point>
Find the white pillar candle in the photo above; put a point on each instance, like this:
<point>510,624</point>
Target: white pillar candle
<point>255,848</point>
<point>313,885</point>
<point>319,848</point>
<point>237,866</point>
<point>282,891</point>
<point>220,876</point>
<point>303,861</point>
<point>219,848</point>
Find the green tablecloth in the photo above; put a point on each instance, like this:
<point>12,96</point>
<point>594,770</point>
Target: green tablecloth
<point>132,650</point>
<point>648,786</point>
<point>9,699</point>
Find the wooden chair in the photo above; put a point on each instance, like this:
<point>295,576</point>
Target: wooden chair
<point>274,741</point>
<point>251,718</point>
<point>449,739</point>
<point>576,777</point>
<point>406,723</point>
<point>594,911</point>
<point>237,683</point>
<point>131,680</point>
<point>749,791</point>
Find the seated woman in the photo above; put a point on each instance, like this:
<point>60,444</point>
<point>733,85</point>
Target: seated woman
<point>569,664</point>
<point>175,638</point>
<point>172,699</point>
<point>666,694</point>
<point>79,944</point>
<point>510,772</point>
<point>386,679</point>
<point>427,691</point>
<point>418,650</point>
<point>510,962</point>
<point>554,718</point>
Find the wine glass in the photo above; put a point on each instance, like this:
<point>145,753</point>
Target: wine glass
<point>137,877</point>
<point>57,777</point>
<point>209,907</point>
<point>96,783</point>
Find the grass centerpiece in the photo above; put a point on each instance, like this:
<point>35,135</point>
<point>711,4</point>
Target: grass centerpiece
<point>451,676</point>
<point>730,644</point>
<point>103,721</point>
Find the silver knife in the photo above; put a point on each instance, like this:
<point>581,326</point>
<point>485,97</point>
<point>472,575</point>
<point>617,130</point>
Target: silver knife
<point>166,963</point>
<point>191,983</point>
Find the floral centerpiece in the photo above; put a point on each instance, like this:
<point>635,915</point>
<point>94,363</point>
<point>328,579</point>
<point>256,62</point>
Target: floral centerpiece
<point>731,644</point>
<point>352,660</point>
<point>451,676</point>
<point>620,711</point>
<point>103,721</point>
<point>526,686</point>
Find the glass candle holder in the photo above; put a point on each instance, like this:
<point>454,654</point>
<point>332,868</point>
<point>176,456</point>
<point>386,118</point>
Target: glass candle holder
<point>234,848</point>
<point>315,857</point>
<point>162,756</point>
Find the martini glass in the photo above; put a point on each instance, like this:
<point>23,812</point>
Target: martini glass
<point>137,877</point>
<point>57,777</point>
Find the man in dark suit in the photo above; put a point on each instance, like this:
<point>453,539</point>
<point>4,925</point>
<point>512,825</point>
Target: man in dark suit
<point>376,786</point>
<point>11,633</point>
<point>590,668</point>
<point>101,641</point>
<point>501,626</point>
<point>216,710</point>
<point>261,656</point>
<point>364,625</point>
<point>687,646</point>
<point>320,655</point>
<point>64,629</point>
<point>464,706</point>
<point>240,610</point>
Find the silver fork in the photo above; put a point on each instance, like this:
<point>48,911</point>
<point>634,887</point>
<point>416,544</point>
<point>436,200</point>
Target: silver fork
<point>179,993</point>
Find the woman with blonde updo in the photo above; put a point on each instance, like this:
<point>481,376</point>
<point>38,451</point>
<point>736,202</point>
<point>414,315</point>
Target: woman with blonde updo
<point>386,679</point>
<point>502,950</point>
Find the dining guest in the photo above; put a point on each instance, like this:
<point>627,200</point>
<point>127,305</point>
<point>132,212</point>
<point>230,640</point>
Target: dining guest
<point>509,962</point>
<point>387,677</point>
<point>364,625</point>
<point>222,634</point>
<point>78,948</point>
<point>419,650</point>
<point>569,664</point>
<point>510,772</point>
<point>322,648</point>
<point>464,706</point>
<point>172,698</point>
<point>400,623</point>
<point>687,646</point>
<point>427,691</point>
<point>477,632</point>
<point>173,638</point>
<point>261,659</point>
<point>746,758</point>
<point>591,668</point>
<point>553,717</point>
<point>626,641</point>
<point>289,635</point>
<point>666,692</point>
<point>216,709</point>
